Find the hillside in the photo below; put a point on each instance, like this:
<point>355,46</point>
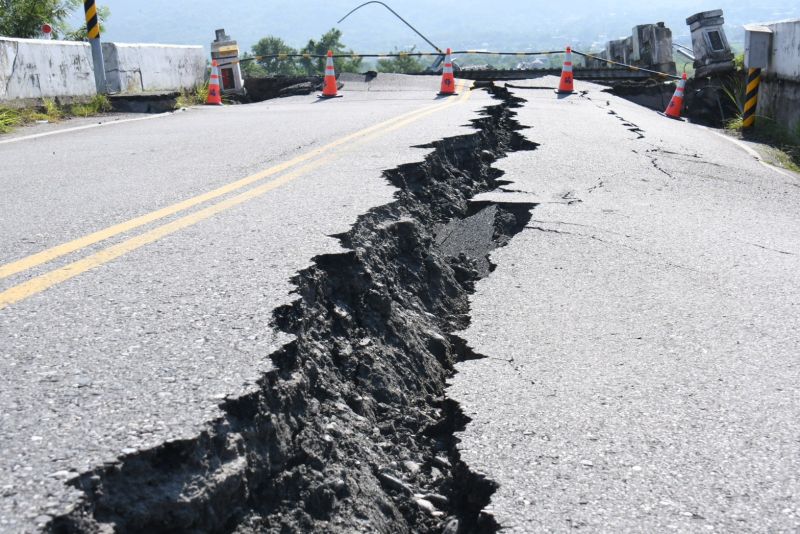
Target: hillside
<point>456,23</point>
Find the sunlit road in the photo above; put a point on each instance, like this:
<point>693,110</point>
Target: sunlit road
<point>141,263</point>
<point>641,333</point>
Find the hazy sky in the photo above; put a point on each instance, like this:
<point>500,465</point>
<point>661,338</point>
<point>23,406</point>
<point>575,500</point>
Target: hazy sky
<point>457,23</point>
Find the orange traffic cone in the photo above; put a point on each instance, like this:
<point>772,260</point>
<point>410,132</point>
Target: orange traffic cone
<point>330,89</point>
<point>675,106</point>
<point>565,86</point>
<point>448,79</point>
<point>214,94</point>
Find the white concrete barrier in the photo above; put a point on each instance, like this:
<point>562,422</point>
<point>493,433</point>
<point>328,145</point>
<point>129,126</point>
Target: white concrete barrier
<point>32,69</point>
<point>779,97</point>
<point>785,60</point>
<point>142,68</point>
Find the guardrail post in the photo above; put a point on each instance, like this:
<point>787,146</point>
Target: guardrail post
<point>93,32</point>
<point>751,99</point>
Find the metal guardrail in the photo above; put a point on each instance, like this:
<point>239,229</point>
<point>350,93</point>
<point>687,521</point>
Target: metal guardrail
<point>578,74</point>
<point>390,55</point>
<point>622,71</point>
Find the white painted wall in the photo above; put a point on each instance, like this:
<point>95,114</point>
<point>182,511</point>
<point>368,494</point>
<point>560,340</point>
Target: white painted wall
<point>785,60</point>
<point>779,96</point>
<point>138,68</point>
<point>32,69</point>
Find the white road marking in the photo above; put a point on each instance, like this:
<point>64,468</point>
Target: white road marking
<point>85,127</point>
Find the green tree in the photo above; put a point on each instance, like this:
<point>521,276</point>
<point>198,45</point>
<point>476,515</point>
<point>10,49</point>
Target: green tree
<point>252,69</point>
<point>332,40</point>
<point>403,64</point>
<point>81,33</point>
<point>270,46</point>
<point>24,18</point>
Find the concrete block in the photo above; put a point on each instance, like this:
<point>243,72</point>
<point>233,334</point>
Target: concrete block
<point>713,54</point>
<point>144,68</point>
<point>652,47</point>
<point>780,100</point>
<point>33,69</point>
<point>785,58</point>
<point>779,95</point>
<point>620,50</point>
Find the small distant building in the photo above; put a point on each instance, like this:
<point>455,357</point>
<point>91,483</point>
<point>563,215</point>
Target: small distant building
<point>533,65</point>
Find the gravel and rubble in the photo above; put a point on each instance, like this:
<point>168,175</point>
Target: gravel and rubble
<point>352,431</point>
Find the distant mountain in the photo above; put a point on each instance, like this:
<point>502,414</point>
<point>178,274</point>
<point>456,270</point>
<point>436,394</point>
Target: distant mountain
<point>507,25</point>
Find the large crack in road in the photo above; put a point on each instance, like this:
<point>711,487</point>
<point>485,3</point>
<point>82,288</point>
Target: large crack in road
<point>352,430</point>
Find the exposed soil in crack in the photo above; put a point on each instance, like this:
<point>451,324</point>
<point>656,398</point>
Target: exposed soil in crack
<point>351,432</point>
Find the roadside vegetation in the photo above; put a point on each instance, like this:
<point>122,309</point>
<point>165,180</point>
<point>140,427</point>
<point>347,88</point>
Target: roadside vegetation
<point>192,98</point>
<point>24,18</point>
<point>783,145</point>
<point>299,66</point>
<point>50,111</point>
<point>403,63</point>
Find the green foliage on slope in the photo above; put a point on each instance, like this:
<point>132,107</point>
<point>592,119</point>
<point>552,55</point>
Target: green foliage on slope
<point>24,18</point>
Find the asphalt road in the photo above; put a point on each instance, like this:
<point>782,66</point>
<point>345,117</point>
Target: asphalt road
<point>126,317</point>
<point>642,333</point>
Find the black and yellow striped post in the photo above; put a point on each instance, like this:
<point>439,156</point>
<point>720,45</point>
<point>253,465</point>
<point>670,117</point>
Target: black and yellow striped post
<point>751,99</point>
<point>93,32</point>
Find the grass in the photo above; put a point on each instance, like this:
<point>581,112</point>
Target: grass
<point>733,87</point>
<point>192,98</point>
<point>99,104</point>
<point>785,144</point>
<point>50,111</point>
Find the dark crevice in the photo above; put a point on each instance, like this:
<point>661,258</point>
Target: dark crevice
<point>351,431</point>
<point>658,167</point>
<point>631,127</point>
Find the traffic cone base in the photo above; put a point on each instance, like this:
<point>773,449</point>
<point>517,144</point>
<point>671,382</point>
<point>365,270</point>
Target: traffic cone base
<point>680,119</point>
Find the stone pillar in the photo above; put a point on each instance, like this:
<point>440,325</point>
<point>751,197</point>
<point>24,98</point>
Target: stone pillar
<point>713,54</point>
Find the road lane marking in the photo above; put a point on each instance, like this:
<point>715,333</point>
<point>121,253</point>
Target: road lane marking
<point>86,127</point>
<point>47,280</point>
<point>50,254</point>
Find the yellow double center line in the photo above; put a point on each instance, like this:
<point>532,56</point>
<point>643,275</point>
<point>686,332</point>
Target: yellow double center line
<point>324,154</point>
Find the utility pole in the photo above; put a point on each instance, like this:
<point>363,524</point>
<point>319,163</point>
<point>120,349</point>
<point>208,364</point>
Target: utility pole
<point>93,32</point>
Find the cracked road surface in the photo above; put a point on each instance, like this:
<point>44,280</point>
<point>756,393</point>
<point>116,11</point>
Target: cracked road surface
<point>140,350</point>
<point>643,332</point>
<point>640,332</point>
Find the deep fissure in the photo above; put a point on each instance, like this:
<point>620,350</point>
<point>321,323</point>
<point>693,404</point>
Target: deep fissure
<point>352,430</point>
